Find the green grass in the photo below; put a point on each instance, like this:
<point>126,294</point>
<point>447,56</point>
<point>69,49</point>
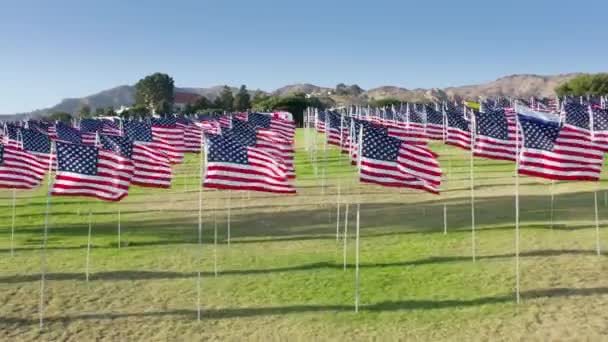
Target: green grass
<point>282,276</point>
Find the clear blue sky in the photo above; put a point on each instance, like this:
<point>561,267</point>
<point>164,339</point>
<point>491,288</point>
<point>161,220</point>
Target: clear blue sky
<point>56,49</point>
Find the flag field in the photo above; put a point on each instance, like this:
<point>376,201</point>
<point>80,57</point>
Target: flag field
<point>282,276</point>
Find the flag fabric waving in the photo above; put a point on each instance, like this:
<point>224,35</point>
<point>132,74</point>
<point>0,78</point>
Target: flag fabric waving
<point>458,132</point>
<point>542,156</point>
<point>20,169</point>
<point>284,127</point>
<point>89,171</point>
<point>493,139</point>
<point>151,167</point>
<point>435,129</point>
<point>391,162</point>
<point>165,130</point>
<point>232,165</point>
<point>600,127</point>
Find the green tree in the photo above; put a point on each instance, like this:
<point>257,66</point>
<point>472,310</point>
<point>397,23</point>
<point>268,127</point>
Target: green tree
<point>60,116</point>
<point>110,111</point>
<point>225,100</point>
<point>155,92</point>
<point>99,111</point>
<point>84,111</point>
<point>200,104</point>
<point>295,104</point>
<point>584,85</point>
<point>138,111</point>
<point>242,101</point>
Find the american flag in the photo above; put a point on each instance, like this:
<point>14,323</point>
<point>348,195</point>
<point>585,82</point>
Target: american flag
<point>151,167</point>
<point>320,122</point>
<point>266,140</point>
<point>192,134</point>
<point>285,128</point>
<point>543,155</point>
<point>494,140</point>
<point>75,136</point>
<point>458,132</point>
<point>11,135</point>
<point>413,130</point>
<point>19,169</point>
<point>225,121</point>
<point>232,165</point>
<point>38,144</point>
<point>90,125</point>
<point>600,126</point>
<point>89,171</point>
<point>333,128</point>
<point>210,126</point>
<point>434,123</point>
<point>165,130</point>
<point>391,162</point>
<point>111,127</point>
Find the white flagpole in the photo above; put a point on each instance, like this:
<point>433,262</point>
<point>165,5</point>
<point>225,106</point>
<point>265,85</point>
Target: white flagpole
<point>345,237</point>
<point>88,247</point>
<point>119,242</point>
<point>445,206</point>
<point>552,202</point>
<point>338,214</point>
<point>597,220</point>
<point>215,235</point>
<point>45,240</point>
<point>13,223</point>
<point>472,180</point>
<point>203,163</point>
<point>517,157</point>
<point>229,204</point>
<point>357,259</point>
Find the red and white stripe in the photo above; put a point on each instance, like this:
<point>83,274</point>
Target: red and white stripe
<point>152,167</point>
<point>172,138</point>
<point>110,183</point>
<point>20,169</point>
<point>262,173</point>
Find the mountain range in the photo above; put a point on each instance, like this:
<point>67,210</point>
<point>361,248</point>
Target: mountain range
<point>519,86</point>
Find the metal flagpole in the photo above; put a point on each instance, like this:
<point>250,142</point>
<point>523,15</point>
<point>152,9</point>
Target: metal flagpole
<point>228,218</point>
<point>215,235</point>
<point>597,220</point>
<point>445,206</point>
<point>517,157</point>
<point>338,213</point>
<point>552,202</point>
<point>13,224</point>
<point>472,180</point>
<point>357,227</point>
<point>357,259</point>
<point>45,240</point>
<point>88,247</point>
<point>345,237</point>
<point>119,242</point>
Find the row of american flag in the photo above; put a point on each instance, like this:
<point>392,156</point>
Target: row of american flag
<point>564,141</point>
<point>102,158</point>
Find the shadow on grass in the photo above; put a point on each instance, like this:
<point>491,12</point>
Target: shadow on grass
<point>388,306</point>
<point>133,275</point>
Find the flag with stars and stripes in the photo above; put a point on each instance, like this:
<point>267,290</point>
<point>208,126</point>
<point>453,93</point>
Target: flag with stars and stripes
<point>320,122</point>
<point>70,134</point>
<point>266,140</point>
<point>600,126</point>
<point>151,168</point>
<point>333,128</point>
<point>165,129</point>
<point>543,155</point>
<point>110,127</point>
<point>388,161</point>
<point>458,132</point>
<point>411,130</point>
<point>192,134</point>
<point>20,169</point>
<point>38,144</point>
<point>232,165</point>
<point>285,128</point>
<point>434,123</point>
<point>89,171</point>
<point>493,139</point>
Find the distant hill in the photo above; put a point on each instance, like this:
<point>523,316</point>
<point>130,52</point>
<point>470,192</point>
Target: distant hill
<point>521,86</point>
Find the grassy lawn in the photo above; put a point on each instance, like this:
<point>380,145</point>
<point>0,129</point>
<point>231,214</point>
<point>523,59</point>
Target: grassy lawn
<point>282,277</point>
